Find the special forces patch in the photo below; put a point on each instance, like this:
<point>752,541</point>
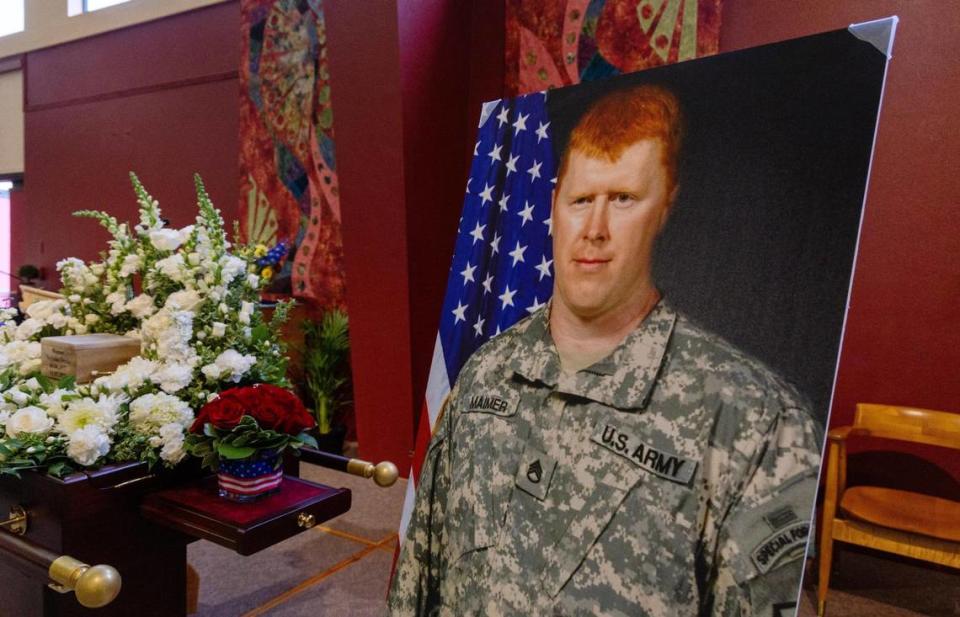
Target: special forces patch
<point>657,461</point>
<point>788,542</point>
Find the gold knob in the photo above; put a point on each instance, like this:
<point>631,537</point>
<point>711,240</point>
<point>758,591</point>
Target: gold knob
<point>98,586</point>
<point>94,587</point>
<point>306,520</point>
<point>385,474</point>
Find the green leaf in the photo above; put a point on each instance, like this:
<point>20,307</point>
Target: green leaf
<point>67,382</point>
<point>307,439</point>
<point>229,451</point>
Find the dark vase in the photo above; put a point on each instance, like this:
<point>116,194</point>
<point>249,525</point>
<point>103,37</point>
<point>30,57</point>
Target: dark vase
<point>333,441</point>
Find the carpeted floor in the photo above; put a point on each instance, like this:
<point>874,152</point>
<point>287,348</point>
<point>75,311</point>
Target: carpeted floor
<point>873,584</point>
<point>341,567</point>
<point>337,568</point>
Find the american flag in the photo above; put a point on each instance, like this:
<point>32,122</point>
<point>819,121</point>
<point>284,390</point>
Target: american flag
<point>502,266</point>
<point>249,478</point>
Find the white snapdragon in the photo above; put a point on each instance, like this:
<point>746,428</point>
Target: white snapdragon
<point>253,281</point>
<point>117,301</point>
<point>172,267</point>
<point>142,306</point>
<point>165,239</point>
<point>28,420</point>
<point>231,267</point>
<point>246,310</point>
<point>76,275</point>
<point>88,444</point>
<point>131,265</point>
<point>218,329</point>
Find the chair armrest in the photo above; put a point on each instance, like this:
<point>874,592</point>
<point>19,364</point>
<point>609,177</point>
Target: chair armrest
<point>840,433</point>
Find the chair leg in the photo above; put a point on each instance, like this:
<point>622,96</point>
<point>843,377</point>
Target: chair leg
<point>823,583</point>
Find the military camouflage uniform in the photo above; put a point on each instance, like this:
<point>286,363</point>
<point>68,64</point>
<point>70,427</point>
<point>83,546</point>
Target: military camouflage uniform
<point>674,477</point>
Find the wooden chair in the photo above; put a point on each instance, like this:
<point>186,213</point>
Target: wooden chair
<point>902,522</point>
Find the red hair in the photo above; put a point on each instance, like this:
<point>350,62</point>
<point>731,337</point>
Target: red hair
<point>624,117</point>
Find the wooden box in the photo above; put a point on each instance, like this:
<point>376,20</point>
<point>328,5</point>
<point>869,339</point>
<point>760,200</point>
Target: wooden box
<point>85,356</point>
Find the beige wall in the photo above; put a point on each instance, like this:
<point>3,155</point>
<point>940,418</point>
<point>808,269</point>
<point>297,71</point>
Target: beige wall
<point>11,122</point>
<point>46,22</point>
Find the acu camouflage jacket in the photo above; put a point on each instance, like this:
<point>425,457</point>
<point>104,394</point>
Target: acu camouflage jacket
<point>674,477</point>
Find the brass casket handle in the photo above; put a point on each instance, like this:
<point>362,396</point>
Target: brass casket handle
<point>94,586</point>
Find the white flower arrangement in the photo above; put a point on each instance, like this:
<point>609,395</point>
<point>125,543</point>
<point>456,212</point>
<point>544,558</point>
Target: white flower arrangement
<point>193,303</point>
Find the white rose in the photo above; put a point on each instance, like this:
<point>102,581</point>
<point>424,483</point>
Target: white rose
<point>218,329</point>
<point>253,281</point>
<point>74,298</point>
<point>87,445</point>
<point>32,384</point>
<point>28,420</point>
<point>186,300</point>
<point>141,306</point>
<point>91,319</point>
<point>165,239</point>
<point>193,259</point>
<point>30,366</point>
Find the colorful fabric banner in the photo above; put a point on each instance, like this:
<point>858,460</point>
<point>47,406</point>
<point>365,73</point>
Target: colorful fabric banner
<point>553,43</point>
<point>288,177</point>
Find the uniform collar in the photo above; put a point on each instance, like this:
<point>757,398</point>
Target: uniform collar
<point>623,379</point>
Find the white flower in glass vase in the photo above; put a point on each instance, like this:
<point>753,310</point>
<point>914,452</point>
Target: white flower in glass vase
<point>142,306</point>
<point>28,420</point>
<point>87,444</point>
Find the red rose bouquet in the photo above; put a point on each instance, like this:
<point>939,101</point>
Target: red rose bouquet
<point>243,423</point>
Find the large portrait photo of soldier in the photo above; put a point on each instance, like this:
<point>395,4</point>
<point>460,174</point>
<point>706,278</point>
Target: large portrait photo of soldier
<point>639,339</point>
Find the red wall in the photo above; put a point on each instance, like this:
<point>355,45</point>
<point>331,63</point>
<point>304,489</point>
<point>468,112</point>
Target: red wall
<point>159,99</point>
<point>406,98</point>
<point>902,339</point>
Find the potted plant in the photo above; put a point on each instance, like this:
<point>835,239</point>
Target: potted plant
<point>326,376</point>
<point>28,273</point>
<point>242,433</point>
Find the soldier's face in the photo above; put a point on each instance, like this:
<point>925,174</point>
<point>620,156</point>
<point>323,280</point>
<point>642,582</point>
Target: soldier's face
<point>606,217</point>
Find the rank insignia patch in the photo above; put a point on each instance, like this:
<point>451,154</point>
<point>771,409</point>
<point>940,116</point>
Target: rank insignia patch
<point>536,471</point>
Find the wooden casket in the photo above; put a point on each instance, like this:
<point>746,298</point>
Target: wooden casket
<point>140,523</point>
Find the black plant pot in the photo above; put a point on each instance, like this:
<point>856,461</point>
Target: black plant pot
<point>333,441</point>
